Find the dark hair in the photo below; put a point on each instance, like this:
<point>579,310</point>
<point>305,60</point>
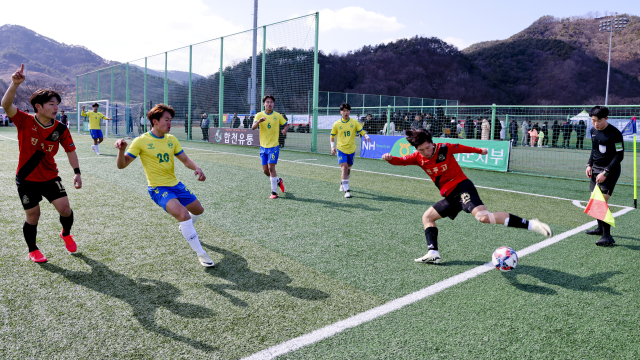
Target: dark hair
<point>600,112</point>
<point>345,106</point>
<point>418,137</point>
<point>268,97</point>
<point>95,104</point>
<point>43,96</point>
<point>157,112</point>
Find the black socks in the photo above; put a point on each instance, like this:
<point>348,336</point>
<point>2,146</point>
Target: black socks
<point>518,222</point>
<point>30,232</point>
<point>66,222</point>
<point>431,233</point>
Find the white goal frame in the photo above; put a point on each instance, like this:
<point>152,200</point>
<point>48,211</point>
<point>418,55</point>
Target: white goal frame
<point>88,104</point>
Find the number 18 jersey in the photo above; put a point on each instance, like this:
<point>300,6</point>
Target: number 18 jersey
<point>157,155</point>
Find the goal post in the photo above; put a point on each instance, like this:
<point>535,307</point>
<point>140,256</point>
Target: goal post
<point>83,122</point>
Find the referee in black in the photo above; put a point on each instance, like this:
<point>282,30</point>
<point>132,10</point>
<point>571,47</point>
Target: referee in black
<point>607,151</point>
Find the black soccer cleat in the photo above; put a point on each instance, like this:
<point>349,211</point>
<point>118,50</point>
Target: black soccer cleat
<point>596,231</point>
<point>606,241</point>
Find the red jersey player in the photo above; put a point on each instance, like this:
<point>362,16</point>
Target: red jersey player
<point>39,137</point>
<point>459,192</point>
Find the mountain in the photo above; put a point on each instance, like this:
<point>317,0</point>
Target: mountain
<point>582,32</point>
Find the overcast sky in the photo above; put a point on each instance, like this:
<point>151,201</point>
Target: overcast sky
<point>125,30</point>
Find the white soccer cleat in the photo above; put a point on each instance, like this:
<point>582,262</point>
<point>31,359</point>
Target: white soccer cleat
<point>93,147</point>
<point>205,260</point>
<point>341,187</point>
<point>540,228</point>
<point>432,257</point>
<point>347,194</point>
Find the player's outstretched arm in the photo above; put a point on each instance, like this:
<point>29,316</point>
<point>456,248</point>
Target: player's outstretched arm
<point>75,164</point>
<point>7,100</point>
<point>122,160</point>
<point>190,164</point>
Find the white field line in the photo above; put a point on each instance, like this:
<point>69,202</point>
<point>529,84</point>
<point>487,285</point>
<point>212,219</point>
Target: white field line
<point>369,315</point>
<point>9,138</point>
<point>408,177</point>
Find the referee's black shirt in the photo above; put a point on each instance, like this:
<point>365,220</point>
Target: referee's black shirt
<point>607,148</point>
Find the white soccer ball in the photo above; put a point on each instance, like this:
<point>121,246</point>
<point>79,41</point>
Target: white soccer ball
<point>505,259</point>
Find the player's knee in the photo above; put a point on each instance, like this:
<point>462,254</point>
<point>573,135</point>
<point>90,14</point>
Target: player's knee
<point>485,217</point>
<point>65,212</point>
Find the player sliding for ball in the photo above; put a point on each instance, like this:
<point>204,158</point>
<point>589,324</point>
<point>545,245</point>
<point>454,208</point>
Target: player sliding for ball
<point>156,149</point>
<point>459,192</point>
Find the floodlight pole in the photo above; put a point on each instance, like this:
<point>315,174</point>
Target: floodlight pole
<point>606,97</point>
<point>611,25</point>
<point>252,91</point>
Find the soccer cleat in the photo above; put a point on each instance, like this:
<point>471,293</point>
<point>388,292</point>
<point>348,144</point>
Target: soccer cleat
<point>432,257</point>
<point>281,183</point>
<point>596,231</point>
<point>606,241</point>
<point>205,260</point>
<point>36,256</point>
<point>93,147</point>
<point>341,187</point>
<point>347,194</point>
<point>273,195</point>
<point>69,243</point>
<point>540,228</point>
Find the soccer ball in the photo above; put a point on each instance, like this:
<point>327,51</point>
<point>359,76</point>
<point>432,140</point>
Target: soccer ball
<point>505,259</point>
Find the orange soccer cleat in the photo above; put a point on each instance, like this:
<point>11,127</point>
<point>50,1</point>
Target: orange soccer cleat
<point>36,256</point>
<point>69,243</point>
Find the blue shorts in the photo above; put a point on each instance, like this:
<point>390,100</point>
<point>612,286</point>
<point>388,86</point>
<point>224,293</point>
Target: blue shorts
<point>95,134</point>
<point>269,155</point>
<point>348,158</point>
<point>162,194</point>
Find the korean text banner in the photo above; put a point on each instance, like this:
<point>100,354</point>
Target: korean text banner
<point>234,136</point>
<point>497,158</point>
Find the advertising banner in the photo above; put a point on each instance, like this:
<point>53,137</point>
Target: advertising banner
<point>497,158</point>
<point>234,136</point>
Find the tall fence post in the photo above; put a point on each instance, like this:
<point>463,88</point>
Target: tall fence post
<point>166,85</point>
<point>189,115</point>
<point>316,84</point>
<point>87,87</point>
<point>264,63</point>
<point>77,101</point>
<point>221,85</point>
<point>144,115</point>
<point>127,111</point>
<point>493,121</point>
<point>111,95</point>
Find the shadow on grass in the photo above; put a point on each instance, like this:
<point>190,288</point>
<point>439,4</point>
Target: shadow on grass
<point>235,269</point>
<point>553,277</point>
<point>143,295</point>
<point>342,205</point>
<point>387,198</point>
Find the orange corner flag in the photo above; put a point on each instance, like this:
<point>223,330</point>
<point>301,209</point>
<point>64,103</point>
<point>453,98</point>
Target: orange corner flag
<point>598,208</point>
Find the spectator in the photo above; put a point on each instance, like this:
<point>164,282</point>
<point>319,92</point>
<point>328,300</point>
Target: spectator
<point>497,130</point>
<point>533,133</point>
<point>392,129</point>
<point>460,130</point>
<point>368,125</point>
<point>536,126</point>
<point>246,123</point>
<point>479,128</point>
<point>428,122</point>
<point>235,121</point>
<point>440,112</point>
<point>204,125</point>
<point>513,132</point>
<point>581,130</point>
<point>545,130</point>
<point>64,119</point>
<point>541,138</point>
<point>525,133</point>
<point>567,128</point>
<point>417,123</point>
<point>282,135</point>
<point>555,128</point>
<point>486,129</point>
<point>503,130</point>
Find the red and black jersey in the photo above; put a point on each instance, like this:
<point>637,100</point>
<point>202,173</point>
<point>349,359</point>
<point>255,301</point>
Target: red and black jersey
<point>442,167</point>
<point>38,145</point>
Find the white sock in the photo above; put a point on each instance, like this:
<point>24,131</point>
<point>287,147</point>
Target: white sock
<point>530,226</point>
<point>190,234</point>
<point>506,222</point>
<point>274,183</point>
<point>98,148</point>
<point>194,218</point>
<point>345,185</point>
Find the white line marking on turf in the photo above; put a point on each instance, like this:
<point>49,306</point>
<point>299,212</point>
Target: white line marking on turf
<point>402,176</point>
<point>305,160</point>
<point>8,138</point>
<point>369,315</point>
<point>578,204</point>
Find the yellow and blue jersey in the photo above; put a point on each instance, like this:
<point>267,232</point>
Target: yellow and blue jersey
<point>270,128</point>
<point>346,131</point>
<point>94,119</point>
<point>157,156</point>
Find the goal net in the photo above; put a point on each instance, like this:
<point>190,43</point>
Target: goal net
<point>128,120</point>
<point>83,115</point>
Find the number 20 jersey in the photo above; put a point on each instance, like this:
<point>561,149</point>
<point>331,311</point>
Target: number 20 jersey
<point>157,156</point>
<point>38,145</point>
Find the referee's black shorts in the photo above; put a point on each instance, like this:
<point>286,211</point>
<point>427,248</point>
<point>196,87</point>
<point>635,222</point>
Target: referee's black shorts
<point>464,197</point>
<point>610,181</point>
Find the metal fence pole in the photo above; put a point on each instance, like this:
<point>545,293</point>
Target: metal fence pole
<point>389,118</point>
<point>189,117</point>
<point>77,101</point>
<point>127,111</point>
<point>493,121</point>
<point>87,87</point>
<point>145,95</point>
<point>221,85</point>
<point>264,63</point>
<point>166,85</point>
<point>316,83</point>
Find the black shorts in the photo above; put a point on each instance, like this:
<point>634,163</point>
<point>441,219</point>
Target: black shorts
<point>31,192</point>
<point>609,183</point>
<point>464,197</point>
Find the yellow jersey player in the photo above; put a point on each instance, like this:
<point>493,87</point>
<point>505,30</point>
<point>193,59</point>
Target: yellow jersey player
<point>94,126</point>
<point>157,149</point>
<point>269,123</point>
<point>345,129</point>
